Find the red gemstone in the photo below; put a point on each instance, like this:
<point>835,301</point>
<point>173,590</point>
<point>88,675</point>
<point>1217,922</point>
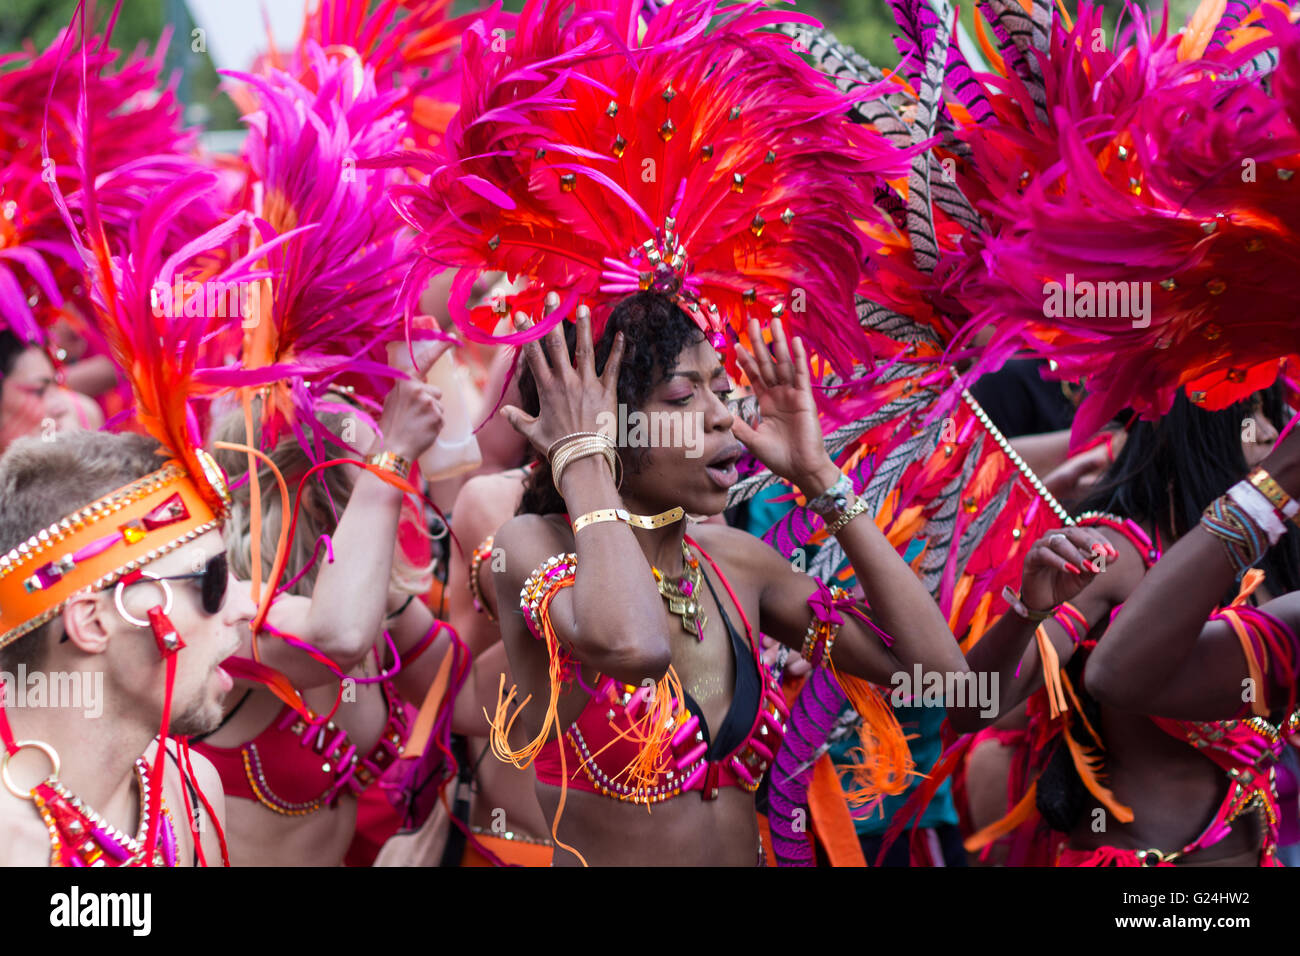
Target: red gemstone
<point>169,512</point>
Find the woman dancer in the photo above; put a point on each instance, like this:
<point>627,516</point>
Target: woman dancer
<point>504,816</point>
<point>603,615</point>
<point>1171,656</point>
<point>292,787</point>
<point>31,398</point>
<point>1156,798</point>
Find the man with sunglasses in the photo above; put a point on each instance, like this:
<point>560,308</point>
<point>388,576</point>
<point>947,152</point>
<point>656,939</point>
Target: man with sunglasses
<point>155,627</point>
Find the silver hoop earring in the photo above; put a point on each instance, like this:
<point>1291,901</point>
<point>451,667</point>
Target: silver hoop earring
<point>121,609</point>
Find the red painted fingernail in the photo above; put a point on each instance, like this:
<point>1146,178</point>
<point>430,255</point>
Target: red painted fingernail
<point>1092,566</point>
<point>1072,569</point>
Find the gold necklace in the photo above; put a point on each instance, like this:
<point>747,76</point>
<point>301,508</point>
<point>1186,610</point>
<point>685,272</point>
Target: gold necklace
<point>683,596</point>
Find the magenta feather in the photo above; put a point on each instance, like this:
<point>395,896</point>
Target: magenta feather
<point>1137,177</point>
<point>139,144</point>
<point>335,284</point>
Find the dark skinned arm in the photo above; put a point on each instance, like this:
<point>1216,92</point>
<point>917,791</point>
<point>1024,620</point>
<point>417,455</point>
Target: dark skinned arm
<point>1057,569</point>
<point>627,639</point>
<point>1163,655</point>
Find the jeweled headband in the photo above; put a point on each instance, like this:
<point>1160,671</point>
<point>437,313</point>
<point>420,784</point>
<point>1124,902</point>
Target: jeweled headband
<point>94,546</point>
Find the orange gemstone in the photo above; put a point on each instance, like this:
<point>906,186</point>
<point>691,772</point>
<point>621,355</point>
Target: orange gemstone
<point>133,532</point>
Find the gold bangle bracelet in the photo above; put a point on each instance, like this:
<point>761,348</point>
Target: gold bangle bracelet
<point>1267,485</point>
<point>550,452</point>
<point>575,451</point>
<point>572,443</point>
<point>578,449</point>
<point>836,526</point>
<point>391,462</point>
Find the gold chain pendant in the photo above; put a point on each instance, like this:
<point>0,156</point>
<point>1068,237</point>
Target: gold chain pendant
<point>683,596</point>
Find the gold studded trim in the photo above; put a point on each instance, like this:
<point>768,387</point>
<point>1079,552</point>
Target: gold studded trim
<point>106,581</point>
<point>43,541</point>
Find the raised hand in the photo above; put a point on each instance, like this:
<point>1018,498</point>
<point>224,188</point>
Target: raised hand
<point>412,417</point>
<point>788,440</point>
<point>1063,563</point>
<point>573,397</point>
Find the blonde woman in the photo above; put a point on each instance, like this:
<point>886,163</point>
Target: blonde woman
<point>293,786</point>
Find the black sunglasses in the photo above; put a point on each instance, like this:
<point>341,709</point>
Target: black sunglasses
<point>215,577</point>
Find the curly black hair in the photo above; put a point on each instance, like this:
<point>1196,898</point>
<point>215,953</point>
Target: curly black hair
<point>655,332</point>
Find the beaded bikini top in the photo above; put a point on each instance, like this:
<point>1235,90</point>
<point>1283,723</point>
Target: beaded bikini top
<point>298,766</point>
<point>623,745</point>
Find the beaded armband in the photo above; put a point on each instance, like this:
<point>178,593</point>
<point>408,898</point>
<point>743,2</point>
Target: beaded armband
<point>1243,539</point>
<point>475,588</point>
<point>824,628</point>
<point>556,572</point>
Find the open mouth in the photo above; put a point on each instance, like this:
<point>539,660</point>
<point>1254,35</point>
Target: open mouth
<point>223,676</point>
<point>722,467</point>
<point>225,680</point>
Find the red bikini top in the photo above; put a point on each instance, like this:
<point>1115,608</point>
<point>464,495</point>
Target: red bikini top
<point>294,767</point>
<point>601,744</point>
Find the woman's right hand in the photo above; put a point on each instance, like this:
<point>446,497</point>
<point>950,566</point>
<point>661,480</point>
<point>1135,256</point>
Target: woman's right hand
<point>573,397</point>
<point>1061,564</point>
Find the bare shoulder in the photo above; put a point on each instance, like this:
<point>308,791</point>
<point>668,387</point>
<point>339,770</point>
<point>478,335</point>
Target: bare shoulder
<point>525,541</point>
<point>1286,609</point>
<point>488,499</point>
<point>738,549</point>
<point>205,775</point>
<point>208,782</point>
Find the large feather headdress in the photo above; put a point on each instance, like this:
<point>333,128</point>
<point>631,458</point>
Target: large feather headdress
<point>139,146</point>
<point>1143,207</point>
<point>596,155</point>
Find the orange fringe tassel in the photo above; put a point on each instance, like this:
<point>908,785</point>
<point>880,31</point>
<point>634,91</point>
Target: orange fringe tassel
<point>1018,814</point>
<point>1051,673</point>
<point>882,764</point>
<point>652,733</point>
<point>1056,683</point>
<point>1087,763</point>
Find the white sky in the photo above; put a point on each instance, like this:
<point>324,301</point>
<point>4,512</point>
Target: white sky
<point>236,30</point>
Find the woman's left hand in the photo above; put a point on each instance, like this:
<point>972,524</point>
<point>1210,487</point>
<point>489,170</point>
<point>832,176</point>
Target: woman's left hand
<point>788,439</point>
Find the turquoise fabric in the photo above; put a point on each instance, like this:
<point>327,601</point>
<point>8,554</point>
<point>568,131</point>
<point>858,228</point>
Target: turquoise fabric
<point>921,721</point>
<point>926,750</point>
